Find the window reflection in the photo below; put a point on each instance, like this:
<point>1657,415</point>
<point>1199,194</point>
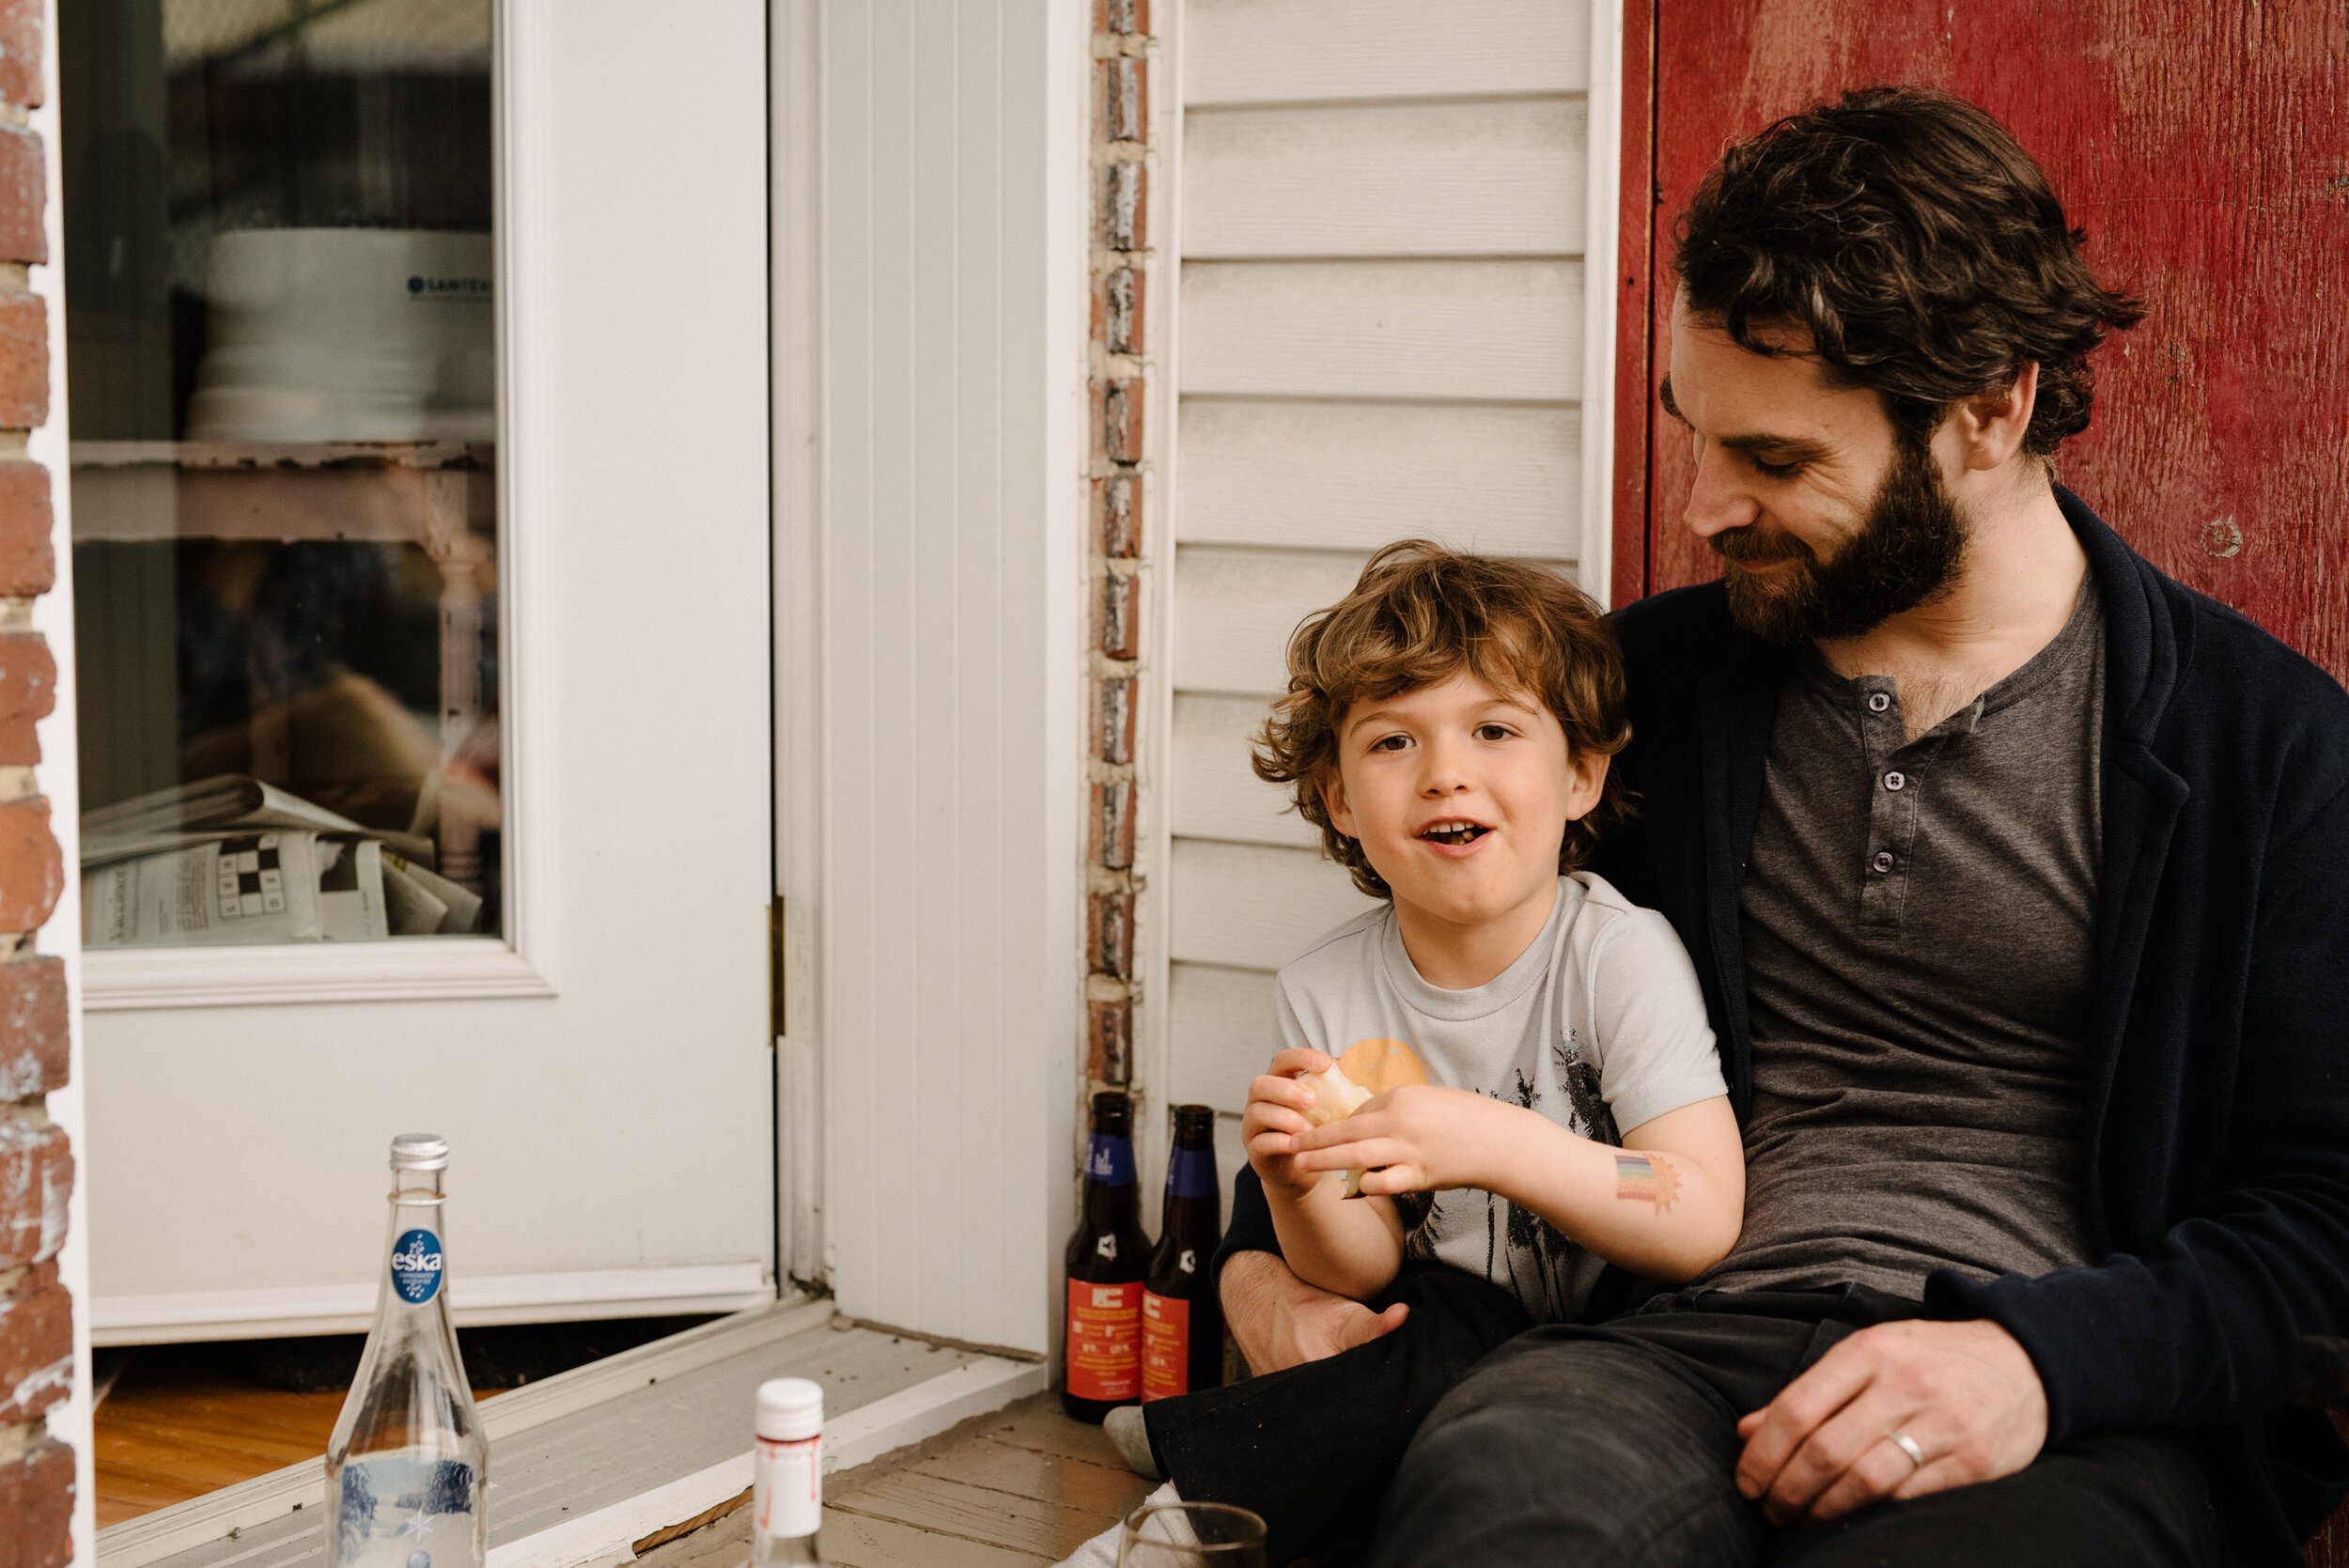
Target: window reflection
<point>283,373</point>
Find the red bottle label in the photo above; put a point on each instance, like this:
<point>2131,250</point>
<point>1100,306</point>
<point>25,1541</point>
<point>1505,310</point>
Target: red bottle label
<point>1165,1346</point>
<point>1104,1339</point>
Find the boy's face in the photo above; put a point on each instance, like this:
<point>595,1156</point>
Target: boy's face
<point>1460,795</point>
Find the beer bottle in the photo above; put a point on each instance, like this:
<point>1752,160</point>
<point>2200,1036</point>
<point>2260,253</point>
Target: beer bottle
<point>1182,1321</point>
<point>1106,1259</point>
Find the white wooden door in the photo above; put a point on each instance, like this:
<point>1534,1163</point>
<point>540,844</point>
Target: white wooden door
<point>1385,331</point>
<point>603,1071</point>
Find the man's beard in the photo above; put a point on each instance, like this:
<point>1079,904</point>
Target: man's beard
<point>1906,552</point>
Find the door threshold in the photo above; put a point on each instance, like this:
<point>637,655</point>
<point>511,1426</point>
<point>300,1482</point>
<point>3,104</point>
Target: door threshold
<point>588,1463</point>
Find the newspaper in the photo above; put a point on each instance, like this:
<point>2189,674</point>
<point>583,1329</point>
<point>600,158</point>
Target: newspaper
<point>148,824</point>
<point>281,887</point>
<point>234,860</point>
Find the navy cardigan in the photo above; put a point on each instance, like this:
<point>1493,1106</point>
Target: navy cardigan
<point>2215,1136</point>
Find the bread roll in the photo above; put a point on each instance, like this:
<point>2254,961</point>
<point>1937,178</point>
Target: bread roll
<point>1363,1071</point>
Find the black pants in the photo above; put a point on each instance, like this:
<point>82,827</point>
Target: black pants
<point>1617,1444</point>
<point>1312,1448</point>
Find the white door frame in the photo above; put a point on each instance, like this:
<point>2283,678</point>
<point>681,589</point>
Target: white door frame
<point>930,184</point>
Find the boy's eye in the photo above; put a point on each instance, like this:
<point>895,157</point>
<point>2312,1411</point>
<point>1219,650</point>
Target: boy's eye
<point>1389,743</point>
<point>1492,732</point>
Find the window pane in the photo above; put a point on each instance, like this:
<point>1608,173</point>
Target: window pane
<point>282,365</point>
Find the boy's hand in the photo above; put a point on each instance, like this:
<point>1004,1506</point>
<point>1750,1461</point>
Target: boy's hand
<point>1275,1117</point>
<point>1415,1139</point>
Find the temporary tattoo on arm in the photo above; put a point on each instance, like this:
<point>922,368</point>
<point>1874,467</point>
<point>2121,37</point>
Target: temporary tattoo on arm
<point>1646,1179</point>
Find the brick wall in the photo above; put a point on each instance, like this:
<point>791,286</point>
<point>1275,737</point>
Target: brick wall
<point>1121,155</point>
<point>36,1471</point>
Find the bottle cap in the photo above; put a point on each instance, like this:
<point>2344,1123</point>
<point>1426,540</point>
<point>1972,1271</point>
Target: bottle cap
<point>791,1408</point>
<point>419,1151</point>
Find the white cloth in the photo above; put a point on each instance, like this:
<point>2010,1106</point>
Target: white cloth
<point>1101,1551</point>
<point>1599,1025</point>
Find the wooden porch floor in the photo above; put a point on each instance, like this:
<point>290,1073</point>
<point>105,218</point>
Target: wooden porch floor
<point>1018,1488</point>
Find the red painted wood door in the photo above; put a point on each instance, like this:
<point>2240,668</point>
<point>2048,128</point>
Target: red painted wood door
<point>2204,144</point>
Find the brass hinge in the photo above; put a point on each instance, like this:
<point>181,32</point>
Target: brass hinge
<point>780,1016</point>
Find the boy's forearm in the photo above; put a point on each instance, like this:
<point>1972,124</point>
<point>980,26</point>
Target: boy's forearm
<point>1657,1213</point>
<point>1350,1245</point>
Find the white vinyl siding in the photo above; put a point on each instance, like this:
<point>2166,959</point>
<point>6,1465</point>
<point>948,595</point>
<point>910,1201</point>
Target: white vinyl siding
<point>1384,206</point>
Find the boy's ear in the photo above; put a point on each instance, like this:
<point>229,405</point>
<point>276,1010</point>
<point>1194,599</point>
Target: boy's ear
<point>1332,787</point>
<point>1586,781</point>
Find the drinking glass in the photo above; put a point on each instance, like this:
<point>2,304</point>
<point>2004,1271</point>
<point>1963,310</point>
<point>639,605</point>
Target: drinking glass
<point>1191,1535</point>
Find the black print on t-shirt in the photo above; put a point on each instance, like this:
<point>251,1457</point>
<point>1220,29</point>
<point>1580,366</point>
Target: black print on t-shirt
<point>1592,1117</point>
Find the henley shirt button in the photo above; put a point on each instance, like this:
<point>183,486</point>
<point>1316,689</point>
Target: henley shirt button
<point>1882,862</point>
<point>1878,702</point>
<point>1896,780</point>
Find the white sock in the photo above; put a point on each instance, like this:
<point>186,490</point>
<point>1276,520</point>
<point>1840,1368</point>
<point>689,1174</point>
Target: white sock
<point>1101,1551</point>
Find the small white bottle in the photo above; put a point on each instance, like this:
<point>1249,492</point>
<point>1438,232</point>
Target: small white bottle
<point>407,1461</point>
<point>787,1473</point>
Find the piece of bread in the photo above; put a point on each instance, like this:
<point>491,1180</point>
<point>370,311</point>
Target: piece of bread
<point>1363,1071</point>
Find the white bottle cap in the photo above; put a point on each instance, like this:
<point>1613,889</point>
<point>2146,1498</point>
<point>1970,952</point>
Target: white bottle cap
<point>419,1151</point>
<point>790,1410</point>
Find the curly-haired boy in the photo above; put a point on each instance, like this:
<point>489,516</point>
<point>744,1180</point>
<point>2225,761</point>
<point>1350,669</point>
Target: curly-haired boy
<point>1449,726</point>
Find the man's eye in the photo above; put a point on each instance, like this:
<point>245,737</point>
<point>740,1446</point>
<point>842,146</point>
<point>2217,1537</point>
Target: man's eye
<point>1776,471</point>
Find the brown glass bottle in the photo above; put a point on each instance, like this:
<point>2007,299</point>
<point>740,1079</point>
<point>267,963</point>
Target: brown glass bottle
<point>1107,1258</point>
<point>1182,1321</point>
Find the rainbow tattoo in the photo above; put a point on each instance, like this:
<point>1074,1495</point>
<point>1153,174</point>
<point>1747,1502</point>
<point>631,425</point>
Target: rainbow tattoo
<point>1639,1179</point>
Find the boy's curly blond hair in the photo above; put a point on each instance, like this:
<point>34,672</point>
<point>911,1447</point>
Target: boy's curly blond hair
<point>1419,615</point>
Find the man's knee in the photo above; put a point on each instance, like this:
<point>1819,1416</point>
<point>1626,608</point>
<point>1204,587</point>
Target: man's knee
<point>1583,1451</point>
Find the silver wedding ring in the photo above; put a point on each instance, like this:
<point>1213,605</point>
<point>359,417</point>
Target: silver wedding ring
<point>1907,1445</point>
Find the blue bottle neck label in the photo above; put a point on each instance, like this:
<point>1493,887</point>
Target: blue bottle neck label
<point>416,1267</point>
<point>1111,1160</point>
<point>1191,1173</point>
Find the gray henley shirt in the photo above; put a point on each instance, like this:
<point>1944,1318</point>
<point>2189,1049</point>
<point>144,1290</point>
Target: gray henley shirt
<point>1917,922</point>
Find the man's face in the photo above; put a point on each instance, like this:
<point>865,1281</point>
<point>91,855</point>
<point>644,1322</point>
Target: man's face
<point>1830,522</point>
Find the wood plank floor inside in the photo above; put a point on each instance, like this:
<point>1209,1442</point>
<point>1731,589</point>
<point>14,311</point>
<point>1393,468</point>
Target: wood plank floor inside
<point>1018,1488</point>
<point>184,1420</point>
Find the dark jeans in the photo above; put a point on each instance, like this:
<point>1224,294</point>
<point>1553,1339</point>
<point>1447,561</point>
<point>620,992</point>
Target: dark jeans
<point>1617,1444</point>
<point>1312,1448</point>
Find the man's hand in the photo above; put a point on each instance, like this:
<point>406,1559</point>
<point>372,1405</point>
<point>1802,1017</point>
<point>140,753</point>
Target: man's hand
<point>1280,1321</point>
<point>1965,1393</point>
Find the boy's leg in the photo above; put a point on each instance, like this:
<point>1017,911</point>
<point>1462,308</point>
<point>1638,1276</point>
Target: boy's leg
<point>1310,1448</point>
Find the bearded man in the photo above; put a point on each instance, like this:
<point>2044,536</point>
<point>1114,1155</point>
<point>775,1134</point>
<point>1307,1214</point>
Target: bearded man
<point>2017,876</point>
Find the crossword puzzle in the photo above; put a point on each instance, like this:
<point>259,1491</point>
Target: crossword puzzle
<point>251,882</point>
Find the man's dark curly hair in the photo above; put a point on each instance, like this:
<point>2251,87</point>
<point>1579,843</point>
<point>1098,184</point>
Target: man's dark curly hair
<point>1919,246</point>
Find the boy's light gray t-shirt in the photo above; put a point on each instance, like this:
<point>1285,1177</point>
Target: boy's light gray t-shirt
<point>1599,1025</point>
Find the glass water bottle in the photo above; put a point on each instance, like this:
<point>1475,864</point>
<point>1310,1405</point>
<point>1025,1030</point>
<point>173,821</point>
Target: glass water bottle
<point>408,1463</point>
<point>787,1474</point>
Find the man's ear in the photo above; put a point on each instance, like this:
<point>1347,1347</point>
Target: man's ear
<point>1332,787</point>
<point>1990,425</point>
